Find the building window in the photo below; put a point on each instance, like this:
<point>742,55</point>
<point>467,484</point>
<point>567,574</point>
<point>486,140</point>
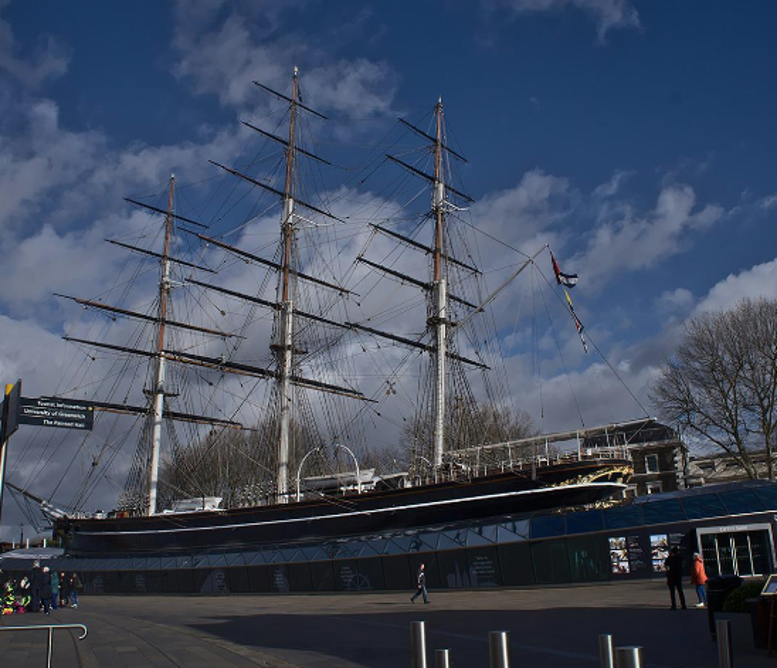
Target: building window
<point>630,492</point>
<point>653,487</point>
<point>651,463</point>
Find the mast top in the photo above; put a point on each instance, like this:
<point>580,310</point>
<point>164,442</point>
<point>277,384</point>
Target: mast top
<point>296,71</point>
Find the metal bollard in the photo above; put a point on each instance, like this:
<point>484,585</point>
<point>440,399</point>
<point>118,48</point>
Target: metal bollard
<point>499,649</point>
<point>442,658</point>
<point>725,648</point>
<point>606,651</point>
<point>629,657</point>
<point>50,647</point>
<point>418,644</point>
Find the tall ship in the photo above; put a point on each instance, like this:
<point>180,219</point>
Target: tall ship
<point>268,363</point>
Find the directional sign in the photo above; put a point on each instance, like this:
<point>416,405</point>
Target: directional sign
<point>10,409</point>
<point>54,412</point>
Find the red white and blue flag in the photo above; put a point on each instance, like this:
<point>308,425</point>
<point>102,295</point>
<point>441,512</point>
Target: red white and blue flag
<point>567,280</point>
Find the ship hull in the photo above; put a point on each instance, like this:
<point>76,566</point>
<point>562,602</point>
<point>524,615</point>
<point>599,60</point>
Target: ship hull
<point>366,514</point>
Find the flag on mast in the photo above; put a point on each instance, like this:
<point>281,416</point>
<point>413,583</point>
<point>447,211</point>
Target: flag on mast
<point>567,280</point>
<point>578,324</point>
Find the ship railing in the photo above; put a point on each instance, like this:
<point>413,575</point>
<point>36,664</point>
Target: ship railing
<point>478,462</point>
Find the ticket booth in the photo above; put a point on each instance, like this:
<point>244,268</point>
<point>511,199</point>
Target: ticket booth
<point>746,550</point>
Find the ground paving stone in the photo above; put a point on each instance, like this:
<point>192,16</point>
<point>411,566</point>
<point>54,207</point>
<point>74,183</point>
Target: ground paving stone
<point>555,627</point>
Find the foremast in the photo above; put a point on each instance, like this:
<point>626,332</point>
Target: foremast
<point>284,347</point>
<point>439,319</point>
<point>158,391</point>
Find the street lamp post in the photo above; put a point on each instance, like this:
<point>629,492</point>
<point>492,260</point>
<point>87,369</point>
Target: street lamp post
<point>356,462</point>
<point>299,470</point>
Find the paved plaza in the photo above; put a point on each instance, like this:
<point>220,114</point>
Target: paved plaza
<point>553,627</point>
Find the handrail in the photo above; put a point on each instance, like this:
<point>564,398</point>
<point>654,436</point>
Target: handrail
<point>51,628</point>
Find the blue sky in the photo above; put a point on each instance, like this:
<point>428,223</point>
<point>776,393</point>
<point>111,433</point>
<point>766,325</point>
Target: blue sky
<point>637,138</point>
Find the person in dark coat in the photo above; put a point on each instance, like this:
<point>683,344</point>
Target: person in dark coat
<point>45,590</point>
<point>73,585</point>
<point>420,585</point>
<point>674,576</point>
<point>36,579</point>
<point>55,590</point>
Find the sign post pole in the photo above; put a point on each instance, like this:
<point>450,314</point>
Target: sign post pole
<point>12,393</point>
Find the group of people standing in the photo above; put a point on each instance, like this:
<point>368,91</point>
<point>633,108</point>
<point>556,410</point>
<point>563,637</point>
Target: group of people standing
<point>674,578</point>
<point>43,590</point>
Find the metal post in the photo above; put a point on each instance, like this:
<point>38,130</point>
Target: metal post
<point>418,644</point>
<point>606,651</point>
<point>4,438</point>
<point>442,658</point>
<point>499,649</point>
<point>725,648</point>
<point>50,647</point>
<point>629,657</point>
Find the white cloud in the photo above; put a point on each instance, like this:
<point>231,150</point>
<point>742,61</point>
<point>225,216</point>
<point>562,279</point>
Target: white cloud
<point>678,300</point>
<point>758,281</point>
<point>613,185</point>
<point>638,241</point>
<point>769,202</point>
<point>44,158</point>
<point>50,59</point>
<point>607,14</point>
<point>518,214</point>
<point>222,55</point>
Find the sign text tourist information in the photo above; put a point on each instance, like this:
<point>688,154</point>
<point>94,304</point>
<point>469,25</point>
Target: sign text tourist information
<point>54,412</point>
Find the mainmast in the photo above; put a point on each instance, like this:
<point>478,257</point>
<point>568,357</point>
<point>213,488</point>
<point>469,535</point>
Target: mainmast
<point>283,348</point>
<point>439,296</point>
<point>158,391</point>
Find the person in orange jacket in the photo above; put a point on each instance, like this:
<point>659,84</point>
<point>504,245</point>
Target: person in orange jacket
<point>699,578</point>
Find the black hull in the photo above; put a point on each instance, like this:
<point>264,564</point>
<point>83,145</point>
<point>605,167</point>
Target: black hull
<point>365,514</point>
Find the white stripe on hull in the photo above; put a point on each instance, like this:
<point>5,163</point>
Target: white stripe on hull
<point>388,509</point>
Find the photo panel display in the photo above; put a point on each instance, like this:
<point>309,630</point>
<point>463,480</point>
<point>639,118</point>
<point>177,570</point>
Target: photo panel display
<point>619,555</point>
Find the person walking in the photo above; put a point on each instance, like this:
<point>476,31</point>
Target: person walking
<point>73,585</point>
<point>45,590</point>
<point>420,585</point>
<point>63,593</point>
<point>54,590</point>
<point>674,576</point>
<point>699,578</point>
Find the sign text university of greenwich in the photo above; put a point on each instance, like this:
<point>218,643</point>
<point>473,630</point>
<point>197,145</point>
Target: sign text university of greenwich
<point>731,525</point>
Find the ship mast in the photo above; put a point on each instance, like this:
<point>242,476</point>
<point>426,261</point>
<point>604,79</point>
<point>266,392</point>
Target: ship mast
<point>439,297</point>
<point>158,392</point>
<point>284,348</point>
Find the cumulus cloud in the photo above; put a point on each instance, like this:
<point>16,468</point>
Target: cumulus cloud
<point>222,50</point>
<point>48,60</point>
<point>519,214</point>
<point>630,240</point>
<point>768,203</point>
<point>607,14</point>
<point>758,281</point>
<point>674,301</point>
<point>613,185</point>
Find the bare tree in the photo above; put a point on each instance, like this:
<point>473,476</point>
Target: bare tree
<point>721,384</point>
<point>468,427</point>
<point>236,465</point>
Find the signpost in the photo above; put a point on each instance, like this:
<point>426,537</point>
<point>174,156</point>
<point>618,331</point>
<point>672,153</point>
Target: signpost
<point>53,412</point>
<point>40,412</point>
<point>8,426</point>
